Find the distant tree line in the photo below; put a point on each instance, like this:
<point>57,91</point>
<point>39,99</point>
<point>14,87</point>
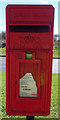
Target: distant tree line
<point>2,39</point>
<point>3,35</point>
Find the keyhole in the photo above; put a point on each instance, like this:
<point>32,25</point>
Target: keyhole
<point>16,82</point>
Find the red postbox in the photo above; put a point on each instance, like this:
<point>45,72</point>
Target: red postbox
<point>29,52</point>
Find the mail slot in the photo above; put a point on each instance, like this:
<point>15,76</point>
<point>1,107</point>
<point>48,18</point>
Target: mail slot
<point>29,52</point>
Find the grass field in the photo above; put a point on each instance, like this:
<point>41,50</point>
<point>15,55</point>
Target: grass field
<point>56,52</point>
<point>54,98</point>
<point>3,51</point>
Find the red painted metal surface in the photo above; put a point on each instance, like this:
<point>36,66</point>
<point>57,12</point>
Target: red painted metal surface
<point>29,29</point>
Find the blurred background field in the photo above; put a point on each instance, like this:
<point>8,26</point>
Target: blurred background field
<point>3,51</point>
<point>56,52</point>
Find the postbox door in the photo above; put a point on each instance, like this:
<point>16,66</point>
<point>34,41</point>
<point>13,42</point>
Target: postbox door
<point>25,96</point>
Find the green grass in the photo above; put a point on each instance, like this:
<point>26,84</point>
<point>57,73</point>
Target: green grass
<point>3,51</point>
<point>54,98</point>
<point>56,52</point>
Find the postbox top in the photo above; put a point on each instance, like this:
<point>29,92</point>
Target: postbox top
<point>29,14</point>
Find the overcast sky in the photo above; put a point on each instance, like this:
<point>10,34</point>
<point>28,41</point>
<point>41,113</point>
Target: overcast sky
<point>4,3</point>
